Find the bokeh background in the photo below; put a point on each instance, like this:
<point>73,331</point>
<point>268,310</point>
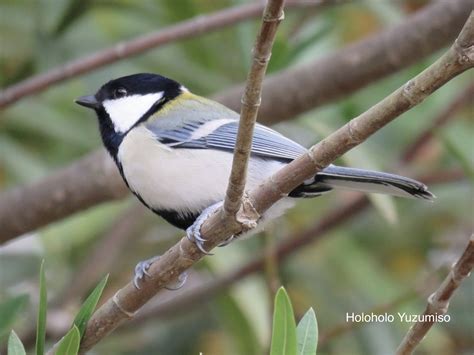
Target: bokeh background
<point>388,257</point>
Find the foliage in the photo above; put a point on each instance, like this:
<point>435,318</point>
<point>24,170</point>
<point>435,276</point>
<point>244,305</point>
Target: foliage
<point>69,344</point>
<point>42,309</point>
<point>287,338</point>
<point>88,307</point>
<point>15,346</point>
<point>284,327</point>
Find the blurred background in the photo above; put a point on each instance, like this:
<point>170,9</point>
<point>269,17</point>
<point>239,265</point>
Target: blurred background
<point>387,254</point>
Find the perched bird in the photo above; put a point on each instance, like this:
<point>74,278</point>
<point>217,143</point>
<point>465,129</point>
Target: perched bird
<point>174,151</point>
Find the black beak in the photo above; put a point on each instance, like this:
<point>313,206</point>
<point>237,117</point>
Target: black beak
<point>88,101</point>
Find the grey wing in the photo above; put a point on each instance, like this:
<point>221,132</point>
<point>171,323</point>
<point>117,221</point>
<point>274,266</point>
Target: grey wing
<point>221,135</point>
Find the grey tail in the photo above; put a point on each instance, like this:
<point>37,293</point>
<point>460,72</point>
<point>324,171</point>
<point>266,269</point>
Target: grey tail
<point>362,180</point>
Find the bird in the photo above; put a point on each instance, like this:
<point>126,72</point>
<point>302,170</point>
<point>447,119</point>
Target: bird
<point>174,151</point>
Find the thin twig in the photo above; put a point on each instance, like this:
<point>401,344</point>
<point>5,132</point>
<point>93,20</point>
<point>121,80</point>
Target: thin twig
<point>183,30</point>
<point>26,208</point>
<point>438,302</point>
<point>184,254</point>
<point>262,51</point>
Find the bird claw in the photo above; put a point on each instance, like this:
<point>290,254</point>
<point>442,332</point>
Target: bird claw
<point>193,233</point>
<point>180,282</point>
<point>141,270</point>
<point>226,242</point>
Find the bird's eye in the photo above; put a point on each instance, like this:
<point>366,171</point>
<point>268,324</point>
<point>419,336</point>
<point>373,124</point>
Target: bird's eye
<point>120,92</point>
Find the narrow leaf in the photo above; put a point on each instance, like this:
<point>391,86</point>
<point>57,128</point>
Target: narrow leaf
<point>41,321</point>
<point>307,334</point>
<point>15,346</point>
<point>69,344</point>
<point>88,306</point>
<point>284,327</point>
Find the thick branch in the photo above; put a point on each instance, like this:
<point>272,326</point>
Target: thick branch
<point>418,36</point>
<point>438,302</point>
<point>184,254</point>
<point>89,181</point>
<point>183,30</point>
<point>262,51</point>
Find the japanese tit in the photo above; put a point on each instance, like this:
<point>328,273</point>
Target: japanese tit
<point>174,151</point>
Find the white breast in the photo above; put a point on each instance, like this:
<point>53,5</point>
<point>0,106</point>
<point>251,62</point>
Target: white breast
<point>183,179</point>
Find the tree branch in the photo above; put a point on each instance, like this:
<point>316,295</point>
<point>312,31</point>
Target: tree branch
<point>262,51</point>
<point>414,38</point>
<point>186,29</point>
<point>184,254</point>
<point>438,302</point>
<point>89,181</point>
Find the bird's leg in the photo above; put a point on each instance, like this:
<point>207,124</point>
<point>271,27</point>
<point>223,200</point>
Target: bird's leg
<point>142,269</point>
<point>193,233</point>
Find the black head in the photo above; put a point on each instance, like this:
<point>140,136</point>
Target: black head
<point>122,103</point>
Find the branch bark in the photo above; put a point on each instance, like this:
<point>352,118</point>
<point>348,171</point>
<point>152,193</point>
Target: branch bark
<point>414,38</point>
<point>186,29</point>
<point>438,302</point>
<point>251,99</point>
<point>91,180</point>
<point>184,254</point>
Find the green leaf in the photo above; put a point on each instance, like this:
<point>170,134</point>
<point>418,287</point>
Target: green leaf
<point>9,310</point>
<point>284,327</point>
<point>41,321</point>
<point>307,334</point>
<point>15,346</point>
<point>88,306</point>
<point>69,344</point>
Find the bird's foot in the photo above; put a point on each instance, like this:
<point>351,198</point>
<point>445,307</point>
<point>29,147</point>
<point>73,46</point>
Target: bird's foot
<point>141,270</point>
<point>193,233</point>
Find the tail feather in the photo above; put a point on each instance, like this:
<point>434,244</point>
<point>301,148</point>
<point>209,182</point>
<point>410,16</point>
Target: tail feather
<point>362,180</point>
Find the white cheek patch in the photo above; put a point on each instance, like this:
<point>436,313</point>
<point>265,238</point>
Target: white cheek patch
<point>126,111</point>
